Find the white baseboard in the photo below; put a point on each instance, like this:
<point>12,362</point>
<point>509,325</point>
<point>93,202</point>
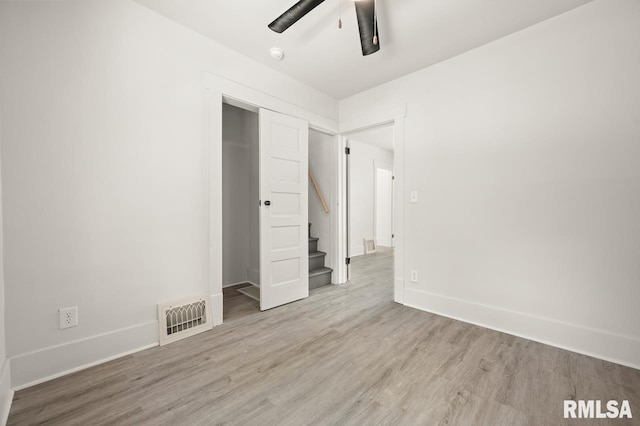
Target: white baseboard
<point>254,276</point>
<point>6,393</point>
<point>234,284</point>
<point>216,307</point>
<point>241,282</point>
<point>45,364</point>
<point>398,290</point>
<point>620,349</point>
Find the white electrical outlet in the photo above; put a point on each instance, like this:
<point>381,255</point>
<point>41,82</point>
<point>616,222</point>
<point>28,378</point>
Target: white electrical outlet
<point>414,197</point>
<point>68,317</point>
<point>414,276</point>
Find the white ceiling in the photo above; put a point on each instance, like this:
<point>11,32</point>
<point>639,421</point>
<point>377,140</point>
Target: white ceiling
<point>381,137</point>
<point>413,34</point>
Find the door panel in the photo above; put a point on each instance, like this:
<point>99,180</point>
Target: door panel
<point>384,207</point>
<point>284,241</point>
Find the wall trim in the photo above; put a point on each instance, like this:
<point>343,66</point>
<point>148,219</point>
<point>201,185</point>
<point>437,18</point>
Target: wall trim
<point>241,95</point>
<point>31,368</point>
<point>398,293</point>
<point>253,276</point>
<point>216,308</point>
<point>235,284</point>
<point>6,393</point>
<point>238,94</point>
<point>218,90</point>
<point>374,118</point>
<point>605,345</point>
<point>362,121</point>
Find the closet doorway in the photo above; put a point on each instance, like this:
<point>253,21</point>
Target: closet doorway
<point>264,210</point>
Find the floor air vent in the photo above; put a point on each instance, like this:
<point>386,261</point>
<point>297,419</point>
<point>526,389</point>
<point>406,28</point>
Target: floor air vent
<point>369,245</point>
<point>184,318</point>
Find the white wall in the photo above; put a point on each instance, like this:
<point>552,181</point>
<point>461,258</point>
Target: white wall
<point>239,205</point>
<point>6,394</point>
<point>105,173</point>
<point>323,164</point>
<point>362,192</point>
<point>525,153</point>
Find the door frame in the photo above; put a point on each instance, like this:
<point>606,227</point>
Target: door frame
<point>368,120</point>
<point>219,90</point>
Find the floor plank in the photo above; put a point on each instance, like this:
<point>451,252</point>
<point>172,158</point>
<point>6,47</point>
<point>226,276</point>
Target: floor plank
<point>345,355</point>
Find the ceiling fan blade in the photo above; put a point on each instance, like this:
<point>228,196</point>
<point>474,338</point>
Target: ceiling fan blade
<point>365,11</point>
<point>293,15</point>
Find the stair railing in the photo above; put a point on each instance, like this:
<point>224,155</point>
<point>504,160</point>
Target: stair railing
<point>318,193</point>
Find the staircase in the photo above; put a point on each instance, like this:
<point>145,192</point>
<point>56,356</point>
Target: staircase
<point>319,274</point>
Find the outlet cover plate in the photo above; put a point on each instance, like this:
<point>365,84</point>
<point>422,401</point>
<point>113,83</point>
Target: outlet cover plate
<point>68,317</point>
<point>414,276</point>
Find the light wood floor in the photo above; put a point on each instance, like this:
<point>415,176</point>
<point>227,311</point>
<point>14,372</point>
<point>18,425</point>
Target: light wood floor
<point>236,305</point>
<point>345,355</point>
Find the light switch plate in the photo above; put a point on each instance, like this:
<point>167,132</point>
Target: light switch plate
<point>414,196</point>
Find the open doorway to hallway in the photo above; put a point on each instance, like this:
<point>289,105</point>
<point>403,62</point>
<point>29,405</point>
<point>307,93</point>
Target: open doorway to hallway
<point>370,189</point>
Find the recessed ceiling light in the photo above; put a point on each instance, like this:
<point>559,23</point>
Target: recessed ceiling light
<point>277,53</point>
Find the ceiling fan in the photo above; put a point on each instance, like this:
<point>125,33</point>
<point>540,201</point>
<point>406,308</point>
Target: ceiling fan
<point>365,11</point>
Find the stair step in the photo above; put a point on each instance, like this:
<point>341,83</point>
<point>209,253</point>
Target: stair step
<point>313,244</point>
<point>317,254</point>
<point>316,260</point>
<point>319,277</point>
<point>320,271</point>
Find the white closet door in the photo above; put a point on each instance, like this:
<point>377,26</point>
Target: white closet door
<point>284,240</point>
